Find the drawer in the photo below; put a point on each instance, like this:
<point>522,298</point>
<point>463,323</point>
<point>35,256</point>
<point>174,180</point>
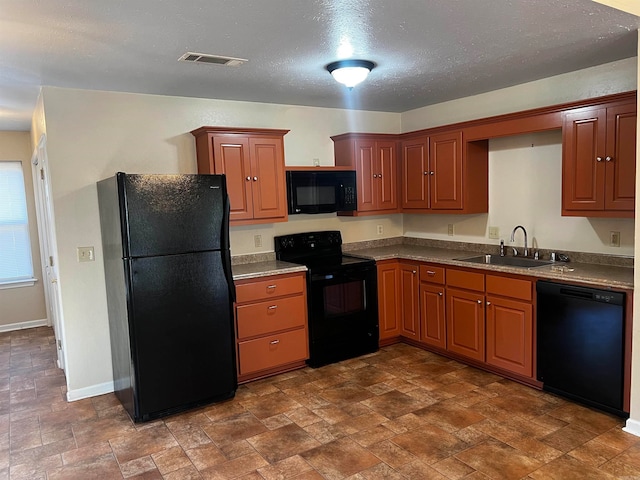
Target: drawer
<point>270,316</point>
<point>510,287</point>
<point>269,287</point>
<point>272,351</point>
<point>432,274</point>
<point>466,280</point>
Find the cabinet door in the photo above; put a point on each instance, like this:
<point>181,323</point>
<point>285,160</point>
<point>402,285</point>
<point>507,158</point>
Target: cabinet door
<point>445,160</point>
<point>620,160</point>
<point>267,169</point>
<point>389,300</point>
<point>415,173</point>
<point>583,153</point>
<point>410,314</point>
<point>465,323</point>
<point>231,158</point>
<point>365,171</point>
<point>387,180</point>
<point>510,335</point>
<point>432,319</point>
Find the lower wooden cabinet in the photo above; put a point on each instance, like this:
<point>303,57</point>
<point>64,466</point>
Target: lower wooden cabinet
<point>465,323</point>
<point>486,318</point>
<point>432,306</point>
<point>389,301</point>
<point>271,325</point>
<point>409,304</point>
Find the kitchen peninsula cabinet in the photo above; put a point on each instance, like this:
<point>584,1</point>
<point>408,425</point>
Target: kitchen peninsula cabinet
<point>389,312</point>
<point>443,174</point>
<point>271,325</point>
<point>432,306</point>
<point>253,162</point>
<point>374,158</point>
<point>598,161</point>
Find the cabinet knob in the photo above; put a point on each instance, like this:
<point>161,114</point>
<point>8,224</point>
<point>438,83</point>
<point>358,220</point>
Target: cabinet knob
<point>608,159</point>
<point>255,179</point>
<point>375,175</point>
<point>248,179</point>
<point>432,173</point>
<point>598,159</point>
<point>379,175</point>
<point>274,342</point>
<point>479,302</point>
<point>414,272</point>
<point>440,294</point>
<point>426,173</point>
<point>488,303</point>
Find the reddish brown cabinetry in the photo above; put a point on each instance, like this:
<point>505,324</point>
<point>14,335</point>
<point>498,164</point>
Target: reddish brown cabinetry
<point>509,324</point>
<point>409,304</point>
<point>389,301</point>
<point>442,174</point>
<point>374,158</point>
<point>271,325</point>
<point>465,314</point>
<point>253,162</point>
<point>432,306</point>
<point>599,156</point>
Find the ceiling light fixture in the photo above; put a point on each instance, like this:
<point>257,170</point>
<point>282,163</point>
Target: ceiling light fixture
<point>350,72</point>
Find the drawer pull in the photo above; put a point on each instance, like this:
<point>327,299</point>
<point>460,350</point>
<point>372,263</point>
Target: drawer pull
<point>431,272</point>
<point>274,342</point>
<point>271,287</point>
<point>272,307</point>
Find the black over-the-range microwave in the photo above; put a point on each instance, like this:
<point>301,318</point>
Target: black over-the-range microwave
<point>321,191</point>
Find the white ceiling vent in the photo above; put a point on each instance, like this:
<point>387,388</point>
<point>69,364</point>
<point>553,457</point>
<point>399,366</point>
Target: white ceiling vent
<point>212,59</point>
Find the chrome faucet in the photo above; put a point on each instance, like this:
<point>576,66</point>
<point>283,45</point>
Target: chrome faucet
<point>513,234</point>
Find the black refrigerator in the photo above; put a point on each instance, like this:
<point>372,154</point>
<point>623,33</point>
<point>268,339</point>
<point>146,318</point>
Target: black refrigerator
<point>169,291</point>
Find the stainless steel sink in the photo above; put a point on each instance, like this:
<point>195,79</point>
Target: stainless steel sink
<point>507,261</point>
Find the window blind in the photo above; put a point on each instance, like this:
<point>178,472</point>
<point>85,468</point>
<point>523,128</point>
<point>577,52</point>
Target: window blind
<point>15,246</point>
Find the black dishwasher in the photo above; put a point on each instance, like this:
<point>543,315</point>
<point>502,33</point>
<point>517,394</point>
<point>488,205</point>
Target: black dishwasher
<point>580,344</point>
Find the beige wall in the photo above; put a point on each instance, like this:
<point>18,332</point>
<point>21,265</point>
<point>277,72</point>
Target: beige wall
<point>23,305</point>
<point>91,135</point>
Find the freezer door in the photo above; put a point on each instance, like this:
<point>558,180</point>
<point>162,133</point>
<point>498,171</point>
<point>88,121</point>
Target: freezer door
<point>168,214</point>
<point>181,329</point>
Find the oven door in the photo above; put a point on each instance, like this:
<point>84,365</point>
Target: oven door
<point>343,314</point>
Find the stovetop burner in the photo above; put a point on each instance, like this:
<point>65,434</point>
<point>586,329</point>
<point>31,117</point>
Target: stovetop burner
<point>316,250</point>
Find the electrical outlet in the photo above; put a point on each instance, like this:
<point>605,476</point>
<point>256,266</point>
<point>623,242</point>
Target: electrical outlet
<point>494,232</point>
<point>380,229</point>
<point>257,240</point>
<point>614,239</point>
<point>316,162</point>
<point>86,254</point>
<point>450,229</point>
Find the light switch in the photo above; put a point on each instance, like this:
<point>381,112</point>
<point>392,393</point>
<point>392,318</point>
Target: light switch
<point>86,254</point>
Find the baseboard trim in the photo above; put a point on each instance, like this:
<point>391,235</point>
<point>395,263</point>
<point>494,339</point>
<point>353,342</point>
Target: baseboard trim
<point>22,325</point>
<point>633,427</point>
<point>92,391</point>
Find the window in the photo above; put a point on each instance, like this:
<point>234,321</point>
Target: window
<point>15,248</point>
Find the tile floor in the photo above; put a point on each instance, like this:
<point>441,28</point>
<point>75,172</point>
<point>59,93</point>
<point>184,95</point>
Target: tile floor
<point>397,414</point>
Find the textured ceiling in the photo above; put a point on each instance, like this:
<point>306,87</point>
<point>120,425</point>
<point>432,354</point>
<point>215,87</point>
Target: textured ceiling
<point>426,51</point>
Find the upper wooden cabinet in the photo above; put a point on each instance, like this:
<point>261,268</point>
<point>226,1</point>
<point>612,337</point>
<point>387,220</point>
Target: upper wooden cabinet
<point>374,158</point>
<point>443,174</point>
<point>253,162</point>
<point>598,160</point>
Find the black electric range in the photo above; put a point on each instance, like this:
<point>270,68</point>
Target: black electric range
<point>341,296</point>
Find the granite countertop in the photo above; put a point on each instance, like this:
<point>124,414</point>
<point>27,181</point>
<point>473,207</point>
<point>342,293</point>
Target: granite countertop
<point>585,273</point>
<point>264,269</point>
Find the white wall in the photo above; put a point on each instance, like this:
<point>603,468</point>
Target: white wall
<point>91,135</point>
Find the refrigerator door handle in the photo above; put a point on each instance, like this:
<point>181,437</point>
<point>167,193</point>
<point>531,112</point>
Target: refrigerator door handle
<point>226,253</point>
